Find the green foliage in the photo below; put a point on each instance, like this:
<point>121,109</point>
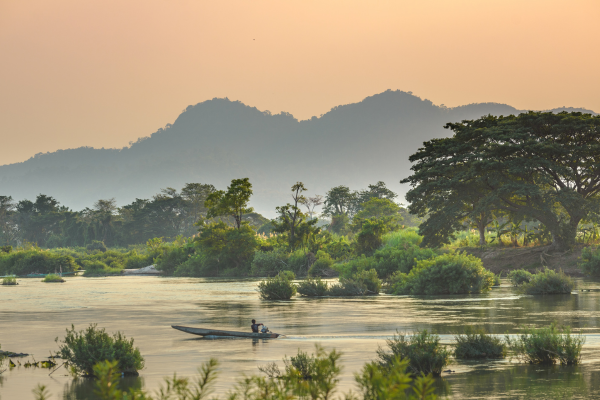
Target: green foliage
<point>547,345</point>
<point>362,283</point>
<point>475,343</point>
<point>549,177</point>
<point>389,259</point>
<point>589,261</point>
<point>51,278</point>
<point>96,245</point>
<point>323,263</point>
<point>232,203</point>
<point>362,263</point>
<point>9,280</point>
<point>422,350</point>
<point>98,268</point>
<point>369,279</point>
<point>452,273</point>
<point>312,288</point>
<point>269,263</point>
<point>370,233</point>
<point>279,287</point>
<point>548,282</point>
<point>6,249</point>
<point>83,349</point>
<point>34,260</point>
<point>519,276</point>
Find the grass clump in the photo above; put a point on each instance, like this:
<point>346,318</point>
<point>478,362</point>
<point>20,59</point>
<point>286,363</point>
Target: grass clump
<point>9,280</point>
<point>547,346</point>
<point>451,273</point>
<point>475,343</point>
<point>53,278</point>
<point>279,287</point>
<point>313,288</point>
<point>423,351</point>
<point>519,276</point>
<point>548,282</point>
<point>83,349</point>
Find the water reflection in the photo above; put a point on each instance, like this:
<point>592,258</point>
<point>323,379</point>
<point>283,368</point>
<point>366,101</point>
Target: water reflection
<point>84,388</point>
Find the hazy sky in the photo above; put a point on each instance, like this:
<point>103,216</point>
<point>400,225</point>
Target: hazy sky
<point>103,72</point>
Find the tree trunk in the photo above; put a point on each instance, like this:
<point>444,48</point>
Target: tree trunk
<point>481,234</point>
<point>563,237</point>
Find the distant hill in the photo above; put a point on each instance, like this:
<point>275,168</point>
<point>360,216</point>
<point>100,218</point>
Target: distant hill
<point>217,140</point>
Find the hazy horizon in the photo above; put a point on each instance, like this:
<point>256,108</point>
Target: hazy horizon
<point>104,73</point>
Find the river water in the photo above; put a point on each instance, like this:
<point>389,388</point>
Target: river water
<point>33,314</point>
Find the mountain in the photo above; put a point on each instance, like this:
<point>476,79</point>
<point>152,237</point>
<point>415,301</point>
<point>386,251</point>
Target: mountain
<point>218,140</point>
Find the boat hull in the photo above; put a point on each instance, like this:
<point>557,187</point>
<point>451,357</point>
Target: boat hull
<point>214,332</point>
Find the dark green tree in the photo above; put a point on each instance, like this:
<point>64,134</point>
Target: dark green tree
<point>233,202</point>
<point>536,165</point>
<point>291,220</point>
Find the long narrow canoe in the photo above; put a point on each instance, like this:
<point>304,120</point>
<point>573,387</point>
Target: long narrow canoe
<point>213,332</point>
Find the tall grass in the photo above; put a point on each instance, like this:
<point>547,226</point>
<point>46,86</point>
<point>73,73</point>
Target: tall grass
<point>53,278</point>
<point>402,238</point>
<point>9,280</point>
<point>547,345</point>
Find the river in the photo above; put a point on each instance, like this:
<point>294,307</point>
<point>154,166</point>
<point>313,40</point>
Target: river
<point>33,314</point>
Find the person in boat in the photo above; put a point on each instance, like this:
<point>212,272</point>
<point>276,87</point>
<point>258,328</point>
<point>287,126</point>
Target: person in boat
<point>255,326</point>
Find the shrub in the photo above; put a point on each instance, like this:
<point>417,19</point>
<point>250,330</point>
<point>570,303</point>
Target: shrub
<point>83,349</point>
<point>53,278</point>
<point>423,351</point>
<point>6,249</point>
<point>547,345</point>
<point>312,288</point>
<point>35,260</point>
<point>362,263</point>
<point>589,261</point>
<point>476,343</point>
<point>548,282</point>
<point>369,279</point>
<point>9,280</point>
<point>519,276</point>
<point>403,238</point>
<point>347,287</point>
<point>269,263</point>
<point>96,245</point>
<point>452,273</point>
<point>279,287</point>
<point>404,259</point>
<point>322,264</point>
<point>98,268</point>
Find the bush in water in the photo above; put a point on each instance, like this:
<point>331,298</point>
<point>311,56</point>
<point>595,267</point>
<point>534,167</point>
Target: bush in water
<point>83,349</point>
<point>476,343</point>
<point>589,261</point>
<point>279,287</point>
<point>548,282</point>
<point>361,283</point>
<point>321,265</point>
<point>35,260</point>
<point>312,288</point>
<point>519,276</point>
<point>53,278</point>
<point>452,273</point>
<point>9,280</point>
<point>422,350</point>
<point>547,346</point>
<point>373,382</point>
<point>98,268</point>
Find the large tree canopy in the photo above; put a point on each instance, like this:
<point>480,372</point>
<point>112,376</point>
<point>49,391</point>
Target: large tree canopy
<point>536,165</point>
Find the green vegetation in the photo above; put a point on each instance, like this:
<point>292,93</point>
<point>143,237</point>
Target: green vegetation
<point>422,350</point>
<point>451,273</point>
<point>279,287</point>
<point>50,278</point>
<point>312,288</point>
<point>9,280</point>
<point>305,377</point>
<point>467,179</point>
<point>84,349</point>
<point>475,343</point>
<point>589,261</point>
<point>547,282</point>
<point>547,345</point>
<point>519,276</point>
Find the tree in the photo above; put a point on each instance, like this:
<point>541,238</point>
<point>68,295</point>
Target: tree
<point>536,165</point>
<point>195,194</point>
<point>233,203</point>
<point>291,219</point>
<point>311,203</point>
<point>378,191</point>
<point>7,223</point>
<point>105,210</point>
<point>339,200</point>
<point>379,207</point>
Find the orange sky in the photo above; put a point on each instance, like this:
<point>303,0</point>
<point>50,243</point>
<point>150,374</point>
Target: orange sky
<point>104,72</point>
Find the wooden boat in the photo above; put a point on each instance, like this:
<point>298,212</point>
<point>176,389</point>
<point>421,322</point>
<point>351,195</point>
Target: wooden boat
<point>213,332</point>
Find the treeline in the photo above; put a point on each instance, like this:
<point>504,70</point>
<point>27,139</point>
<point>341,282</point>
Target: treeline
<point>45,223</point>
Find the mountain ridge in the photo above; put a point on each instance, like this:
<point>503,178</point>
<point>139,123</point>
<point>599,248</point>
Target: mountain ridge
<point>219,139</point>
